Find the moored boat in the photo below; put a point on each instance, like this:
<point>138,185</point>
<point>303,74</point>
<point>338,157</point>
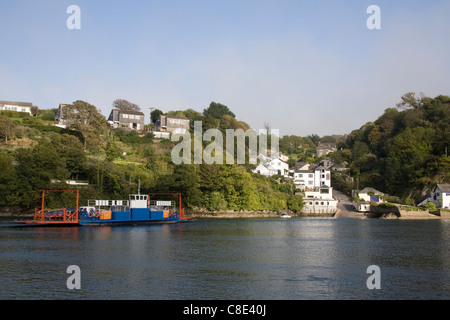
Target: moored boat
<point>138,209</point>
<point>284,215</point>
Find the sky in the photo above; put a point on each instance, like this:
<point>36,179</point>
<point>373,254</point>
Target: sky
<point>303,67</point>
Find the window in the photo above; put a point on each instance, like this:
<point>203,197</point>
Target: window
<point>131,116</point>
<point>322,203</point>
<point>138,117</point>
<point>125,116</point>
<point>310,175</point>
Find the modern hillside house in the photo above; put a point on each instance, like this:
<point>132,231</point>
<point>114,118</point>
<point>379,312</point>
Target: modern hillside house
<point>172,124</point>
<point>126,119</point>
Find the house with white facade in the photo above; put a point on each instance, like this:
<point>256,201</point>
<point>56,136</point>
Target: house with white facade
<point>366,196</point>
<point>275,166</point>
<point>441,195</point>
<point>306,178</point>
<point>370,194</point>
<point>16,106</point>
<point>319,200</point>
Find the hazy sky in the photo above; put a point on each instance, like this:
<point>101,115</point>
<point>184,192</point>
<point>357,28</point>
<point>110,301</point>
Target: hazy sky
<point>302,66</point>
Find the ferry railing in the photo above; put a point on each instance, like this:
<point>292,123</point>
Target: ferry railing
<point>60,215</point>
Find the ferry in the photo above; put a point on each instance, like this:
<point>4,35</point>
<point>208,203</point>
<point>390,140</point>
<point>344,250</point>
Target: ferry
<point>139,209</point>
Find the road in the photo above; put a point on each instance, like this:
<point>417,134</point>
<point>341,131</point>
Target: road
<point>345,208</point>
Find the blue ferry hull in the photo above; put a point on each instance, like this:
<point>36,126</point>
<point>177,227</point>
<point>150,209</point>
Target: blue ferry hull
<point>137,216</point>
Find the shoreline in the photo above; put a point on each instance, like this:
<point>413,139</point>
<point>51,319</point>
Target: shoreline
<point>17,212</point>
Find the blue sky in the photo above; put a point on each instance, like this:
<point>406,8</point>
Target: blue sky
<point>302,66</point>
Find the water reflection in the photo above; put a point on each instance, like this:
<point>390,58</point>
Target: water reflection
<point>231,259</point>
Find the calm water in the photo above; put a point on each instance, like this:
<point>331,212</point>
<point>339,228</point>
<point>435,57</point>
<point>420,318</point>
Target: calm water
<point>302,258</point>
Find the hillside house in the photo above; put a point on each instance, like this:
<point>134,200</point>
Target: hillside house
<point>441,195</point>
<point>275,166</point>
<point>61,117</point>
<point>370,194</point>
<point>325,148</point>
<point>171,124</point>
<point>16,106</point>
<point>126,119</point>
<point>311,178</point>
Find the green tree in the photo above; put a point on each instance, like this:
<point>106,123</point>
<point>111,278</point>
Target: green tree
<point>295,203</point>
<point>6,127</point>
<point>125,105</point>
<point>85,118</point>
<point>154,115</point>
<point>218,110</point>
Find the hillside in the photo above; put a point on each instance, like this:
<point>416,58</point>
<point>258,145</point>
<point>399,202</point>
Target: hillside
<point>402,153</point>
<point>36,155</point>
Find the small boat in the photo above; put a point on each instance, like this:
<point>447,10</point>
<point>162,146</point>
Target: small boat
<point>285,215</point>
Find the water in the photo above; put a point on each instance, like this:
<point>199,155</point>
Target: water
<point>299,258</point>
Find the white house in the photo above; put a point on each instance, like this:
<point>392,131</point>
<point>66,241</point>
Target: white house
<point>319,200</point>
<point>311,178</point>
<point>441,195</point>
<point>263,169</point>
<point>16,106</point>
<point>370,194</point>
<point>275,166</point>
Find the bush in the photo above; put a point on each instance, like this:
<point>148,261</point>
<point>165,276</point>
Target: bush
<point>430,206</point>
<point>387,205</point>
<point>295,203</point>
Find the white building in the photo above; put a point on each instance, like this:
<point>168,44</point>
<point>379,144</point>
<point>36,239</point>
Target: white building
<point>319,200</point>
<point>441,195</point>
<point>16,106</point>
<point>370,194</point>
<point>305,178</point>
<point>275,166</point>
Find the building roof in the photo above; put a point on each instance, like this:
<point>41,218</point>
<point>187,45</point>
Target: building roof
<point>444,187</point>
<point>130,112</point>
<point>175,117</point>
<point>369,189</point>
<point>15,103</point>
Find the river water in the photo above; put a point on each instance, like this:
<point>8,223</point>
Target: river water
<point>298,258</point>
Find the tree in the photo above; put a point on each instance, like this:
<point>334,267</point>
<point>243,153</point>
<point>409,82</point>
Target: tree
<point>125,105</point>
<point>6,127</point>
<point>295,203</point>
<point>85,118</point>
<point>409,100</point>
<point>154,115</point>
<point>218,110</point>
